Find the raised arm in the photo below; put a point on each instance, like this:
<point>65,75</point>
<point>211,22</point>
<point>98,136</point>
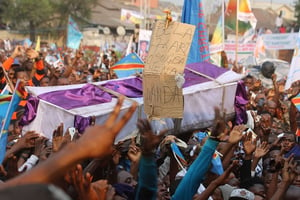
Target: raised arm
<point>96,142</point>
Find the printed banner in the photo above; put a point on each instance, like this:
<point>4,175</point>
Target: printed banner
<point>144,43</point>
<point>280,41</point>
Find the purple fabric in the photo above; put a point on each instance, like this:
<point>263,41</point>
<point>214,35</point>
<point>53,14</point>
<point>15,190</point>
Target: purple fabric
<point>206,68</point>
<point>74,98</point>
<point>240,104</point>
<point>81,123</point>
<point>30,111</point>
<point>132,88</point>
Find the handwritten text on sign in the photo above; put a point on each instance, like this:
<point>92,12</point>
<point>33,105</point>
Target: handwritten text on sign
<point>163,98</point>
<point>169,48</point>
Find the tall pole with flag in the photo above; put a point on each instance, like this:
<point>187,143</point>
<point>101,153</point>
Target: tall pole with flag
<point>8,105</point>
<point>240,18</point>
<point>192,13</point>
<point>74,35</point>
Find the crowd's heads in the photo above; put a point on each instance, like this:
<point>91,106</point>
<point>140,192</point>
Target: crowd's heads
<point>288,142</point>
<point>267,69</point>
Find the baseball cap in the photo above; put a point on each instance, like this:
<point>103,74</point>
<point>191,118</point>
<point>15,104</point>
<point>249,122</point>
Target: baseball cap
<point>242,194</point>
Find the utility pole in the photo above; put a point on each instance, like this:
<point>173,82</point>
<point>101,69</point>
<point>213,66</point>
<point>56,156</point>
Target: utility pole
<point>145,12</point>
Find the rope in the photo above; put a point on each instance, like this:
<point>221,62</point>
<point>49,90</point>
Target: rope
<point>120,95</point>
<point>212,79</point>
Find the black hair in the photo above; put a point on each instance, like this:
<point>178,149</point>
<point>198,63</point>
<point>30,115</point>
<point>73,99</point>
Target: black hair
<point>19,69</point>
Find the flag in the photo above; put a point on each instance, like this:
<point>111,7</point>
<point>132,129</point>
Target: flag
<point>27,43</point>
<point>128,66</point>
<point>296,102</point>
<point>178,154</point>
<point>216,164</point>
<point>294,72</point>
<point>38,44</point>
<point>74,35</point>
<point>192,13</point>
<point>8,105</point>
<point>246,19</point>
<point>130,45</point>
<point>218,36</point>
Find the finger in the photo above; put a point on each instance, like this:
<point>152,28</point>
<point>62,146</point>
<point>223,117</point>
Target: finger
<point>121,123</point>
<point>61,129</point>
<point>132,141</point>
<point>113,116</point>
<point>146,124</point>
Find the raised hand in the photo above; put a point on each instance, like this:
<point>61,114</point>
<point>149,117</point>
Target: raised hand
<point>236,134</point>
<point>28,140</point>
<point>134,152</point>
<point>289,170</point>
<point>32,54</point>
<point>219,126</point>
<point>57,138</point>
<point>82,184</point>
<point>261,150</point>
<point>149,140</point>
<point>39,145</point>
<point>101,188</point>
<point>106,133</point>
<point>18,51</point>
<point>249,144</point>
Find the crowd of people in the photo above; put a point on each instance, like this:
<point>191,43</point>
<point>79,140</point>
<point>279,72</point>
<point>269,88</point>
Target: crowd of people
<point>258,149</point>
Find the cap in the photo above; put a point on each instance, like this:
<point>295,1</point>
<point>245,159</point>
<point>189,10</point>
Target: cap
<point>242,193</point>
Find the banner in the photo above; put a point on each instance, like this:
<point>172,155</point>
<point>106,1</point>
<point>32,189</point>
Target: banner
<point>144,43</point>
<point>294,73</point>
<point>280,41</point>
<point>244,49</point>
<point>246,19</point>
<point>131,16</point>
<point>167,57</point>
<point>74,35</point>
<point>192,13</point>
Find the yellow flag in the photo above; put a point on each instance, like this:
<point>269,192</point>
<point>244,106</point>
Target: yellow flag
<point>38,44</point>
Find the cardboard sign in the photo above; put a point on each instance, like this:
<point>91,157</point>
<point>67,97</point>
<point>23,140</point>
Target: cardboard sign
<point>169,49</point>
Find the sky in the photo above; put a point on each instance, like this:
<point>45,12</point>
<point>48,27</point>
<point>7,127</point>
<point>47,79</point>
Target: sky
<point>180,2</point>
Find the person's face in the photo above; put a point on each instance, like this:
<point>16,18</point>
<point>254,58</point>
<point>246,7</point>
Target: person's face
<point>143,46</point>
<point>23,77</point>
<point>297,179</point>
<point>249,82</point>
<point>265,122</point>
<point>11,73</point>
<point>125,177</point>
<point>44,82</point>
<point>288,142</point>
<point>271,108</point>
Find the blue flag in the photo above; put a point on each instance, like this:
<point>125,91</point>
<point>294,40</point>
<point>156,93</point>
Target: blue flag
<point>128,66</point>
<point>74,35</point>
<point>8,105</point>
<point>216,164</point>
<point>192,13</point>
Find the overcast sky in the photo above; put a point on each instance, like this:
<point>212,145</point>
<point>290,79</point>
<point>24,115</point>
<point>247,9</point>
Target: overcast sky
<point>180,2</point>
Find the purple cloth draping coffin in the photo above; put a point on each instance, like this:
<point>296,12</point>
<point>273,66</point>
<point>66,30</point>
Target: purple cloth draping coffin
<point>206,68</point>
<point>133,88</point>
<point>79,97</point>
